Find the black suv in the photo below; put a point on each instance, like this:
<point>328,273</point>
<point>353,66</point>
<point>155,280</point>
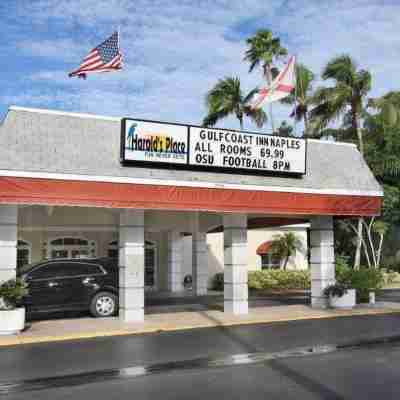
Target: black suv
<point>72,284</point>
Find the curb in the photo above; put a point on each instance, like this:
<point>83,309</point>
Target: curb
<point>21,340</point>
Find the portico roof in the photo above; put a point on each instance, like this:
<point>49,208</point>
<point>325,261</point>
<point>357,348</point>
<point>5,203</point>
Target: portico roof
<point>58,158</point>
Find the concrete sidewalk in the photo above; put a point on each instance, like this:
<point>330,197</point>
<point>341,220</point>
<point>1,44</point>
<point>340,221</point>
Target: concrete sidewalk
<point>83,328</point>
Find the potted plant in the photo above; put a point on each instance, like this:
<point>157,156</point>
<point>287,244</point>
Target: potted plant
<point>340,296</point>
<point>12,314</point>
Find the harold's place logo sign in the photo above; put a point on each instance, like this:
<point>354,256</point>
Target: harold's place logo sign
<point>154,142</point>
<point>140,140</point>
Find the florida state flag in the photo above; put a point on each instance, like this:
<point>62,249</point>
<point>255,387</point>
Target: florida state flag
<point>281,86</point>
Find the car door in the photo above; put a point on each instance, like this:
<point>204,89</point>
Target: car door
<point>46,287</point>
<point>84,280</point>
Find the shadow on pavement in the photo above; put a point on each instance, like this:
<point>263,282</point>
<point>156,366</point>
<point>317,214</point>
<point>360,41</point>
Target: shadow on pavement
<point>304,381</point>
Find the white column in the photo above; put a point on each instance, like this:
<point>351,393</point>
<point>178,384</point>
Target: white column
<point>131,265</point>
<point>235,264</point>
<point>322,259</point>
<point>8,242</point>
<point>175,260</point>
<point>199,257</point>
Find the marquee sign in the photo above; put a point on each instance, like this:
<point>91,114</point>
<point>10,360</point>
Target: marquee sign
<point>193,147</point>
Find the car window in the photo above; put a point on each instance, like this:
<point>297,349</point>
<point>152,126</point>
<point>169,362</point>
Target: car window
<point>90,269</point>
<point>51,270</point>
<point>65,270</point>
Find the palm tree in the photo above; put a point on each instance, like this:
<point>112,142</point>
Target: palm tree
<point>345,98</point>
<point>388,107</point>
<point>347,95</point>
<point>302,95</point>
<point>286,245</point>
<point>226,98</point>
<point>263,50</point>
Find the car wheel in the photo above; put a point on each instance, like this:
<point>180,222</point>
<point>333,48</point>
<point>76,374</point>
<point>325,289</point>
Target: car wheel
<point>104,304</point>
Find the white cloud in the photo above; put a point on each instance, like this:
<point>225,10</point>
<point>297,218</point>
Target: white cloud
<point>176,51</point>
<point>62,49</point>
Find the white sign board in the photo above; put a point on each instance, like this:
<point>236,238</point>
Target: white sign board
<point>155,142</point>
<point>241,150</point>
<point>198,148</point>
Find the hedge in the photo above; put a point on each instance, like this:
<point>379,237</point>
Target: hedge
<point>363,280</point>
<point>279,279</point>
<point>271,279</point>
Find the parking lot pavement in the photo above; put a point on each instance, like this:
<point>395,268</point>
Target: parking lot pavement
<point>367,372</point>
<point>42,360</point>
<point>391,295</point>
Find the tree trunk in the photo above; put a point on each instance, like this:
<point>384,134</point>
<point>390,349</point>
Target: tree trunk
<point>355,125</point>
<point>285,263</point>
<point>380,249</point>
<point>241,122</point>
<point>362,243</point>
<point>357,257</point>
<point>306,124</point>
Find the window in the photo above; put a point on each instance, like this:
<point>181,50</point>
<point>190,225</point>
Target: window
<point>23,253</point>
<point>270,261</point>
<point>112,251</point>
<point>149,262</point>
<point>69,241</point>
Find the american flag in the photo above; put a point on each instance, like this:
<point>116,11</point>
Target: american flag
<point>103,58</point>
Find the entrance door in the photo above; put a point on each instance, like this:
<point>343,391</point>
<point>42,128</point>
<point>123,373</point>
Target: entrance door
<point>71,247</point>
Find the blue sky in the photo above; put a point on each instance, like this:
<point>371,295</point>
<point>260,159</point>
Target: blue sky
<point>176,50</point>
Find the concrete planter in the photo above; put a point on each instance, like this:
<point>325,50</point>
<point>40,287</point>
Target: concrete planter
<point>12,321</point>
<point>347,301</point>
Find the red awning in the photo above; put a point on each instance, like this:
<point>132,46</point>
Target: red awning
<point>16,190</point>
<point>264,248</point>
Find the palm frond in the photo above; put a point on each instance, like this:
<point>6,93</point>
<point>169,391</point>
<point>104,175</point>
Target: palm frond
<point>258,116</point>
<point>363,81</point>
<point>212,118</point>
<point>250,95</point>
<point>341,69</point>
<point>263,49</point>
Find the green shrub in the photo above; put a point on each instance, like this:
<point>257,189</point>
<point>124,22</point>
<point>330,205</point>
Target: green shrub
<point>341,261</point>
<point>363,280</point>
<point>338,290</point>
<point>218,281</point>
<point>11,293</point>
<point>279,279</point>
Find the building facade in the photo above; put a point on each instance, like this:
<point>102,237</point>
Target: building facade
<point>67,190</point>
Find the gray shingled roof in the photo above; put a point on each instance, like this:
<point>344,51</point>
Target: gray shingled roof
<point>49,141</point>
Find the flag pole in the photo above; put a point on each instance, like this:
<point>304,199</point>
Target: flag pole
<point>119,50</point>
<point>295,96</point>
<point>305,133</point>
<point>269,81</point>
